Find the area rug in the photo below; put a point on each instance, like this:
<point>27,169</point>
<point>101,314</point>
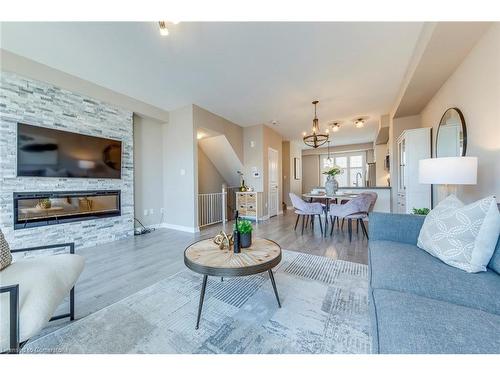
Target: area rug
<point>324,310</point>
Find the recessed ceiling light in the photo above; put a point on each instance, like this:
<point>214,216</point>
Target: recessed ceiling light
<point>163,28</point>
<point>359,123</point>
<point>274,122</point>
<point>335,126</point>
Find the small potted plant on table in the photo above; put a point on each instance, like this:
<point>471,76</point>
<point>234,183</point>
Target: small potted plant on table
<point>421,211</point>
<point>245,228</point>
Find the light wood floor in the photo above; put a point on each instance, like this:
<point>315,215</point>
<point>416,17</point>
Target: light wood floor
<point>116,270</point>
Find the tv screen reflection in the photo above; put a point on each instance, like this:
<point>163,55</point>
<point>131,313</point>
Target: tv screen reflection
<point>45,152</point>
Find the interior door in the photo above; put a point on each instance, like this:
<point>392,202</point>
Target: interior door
<point>273,200</point>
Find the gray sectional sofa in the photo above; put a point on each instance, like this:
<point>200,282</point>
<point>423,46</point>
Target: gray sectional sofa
<point>421,305</point>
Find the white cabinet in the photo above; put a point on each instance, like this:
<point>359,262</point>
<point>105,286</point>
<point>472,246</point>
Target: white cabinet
<point>413,145</point>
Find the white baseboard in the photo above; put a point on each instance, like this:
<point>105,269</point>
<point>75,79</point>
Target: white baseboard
<point>154,226</point>
<point>181,228</point>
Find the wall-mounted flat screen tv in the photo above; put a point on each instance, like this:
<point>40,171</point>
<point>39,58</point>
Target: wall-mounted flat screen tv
<point>44,152</point>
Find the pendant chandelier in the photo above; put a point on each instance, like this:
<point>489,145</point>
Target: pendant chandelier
<point>315,139</point>
<point>329,161</point>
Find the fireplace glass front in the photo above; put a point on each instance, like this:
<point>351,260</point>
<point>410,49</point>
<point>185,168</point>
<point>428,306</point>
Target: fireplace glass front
<point>48,208</point>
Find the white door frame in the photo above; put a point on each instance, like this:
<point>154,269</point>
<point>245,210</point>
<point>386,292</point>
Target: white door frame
<point>269,151</point>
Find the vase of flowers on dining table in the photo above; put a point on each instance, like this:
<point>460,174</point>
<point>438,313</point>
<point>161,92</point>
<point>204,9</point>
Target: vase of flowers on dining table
<point>331,184</point>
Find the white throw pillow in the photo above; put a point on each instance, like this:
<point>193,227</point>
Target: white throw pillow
<point>463,236</point>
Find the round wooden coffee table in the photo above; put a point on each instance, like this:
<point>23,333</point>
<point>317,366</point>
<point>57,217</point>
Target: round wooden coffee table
<point>206,258</point>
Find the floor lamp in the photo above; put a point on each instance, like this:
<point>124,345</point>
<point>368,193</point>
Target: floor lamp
<point>448,173</point>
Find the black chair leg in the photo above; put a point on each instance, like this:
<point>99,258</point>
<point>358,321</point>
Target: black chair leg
<point>364,229</point>
<point>343,223</point>
<point>357,226</point>
<point>303,222</point>
<point>338,223</point>
<point>349,228</point>
<point>296,222</point>
<point>321,225</point>
<point>333,223</point>
<point>312,222</point>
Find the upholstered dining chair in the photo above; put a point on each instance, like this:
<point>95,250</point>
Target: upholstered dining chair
<point>305,210</point>
<point>356,209</point>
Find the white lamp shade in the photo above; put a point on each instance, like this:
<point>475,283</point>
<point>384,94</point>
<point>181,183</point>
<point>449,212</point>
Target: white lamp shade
<point>460,170</point>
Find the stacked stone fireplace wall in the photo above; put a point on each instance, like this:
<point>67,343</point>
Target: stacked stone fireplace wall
<point>37,103</point>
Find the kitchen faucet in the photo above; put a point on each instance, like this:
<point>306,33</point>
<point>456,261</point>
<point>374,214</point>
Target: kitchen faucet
<point>361,176</point>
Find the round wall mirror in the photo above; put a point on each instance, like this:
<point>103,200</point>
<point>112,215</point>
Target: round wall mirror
<point>451,139</point>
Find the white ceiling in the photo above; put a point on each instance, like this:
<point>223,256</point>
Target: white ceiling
<point>249,73</point>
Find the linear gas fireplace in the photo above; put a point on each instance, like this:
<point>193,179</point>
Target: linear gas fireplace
<point>49,208</point>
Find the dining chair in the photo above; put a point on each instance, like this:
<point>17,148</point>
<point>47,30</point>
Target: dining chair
<point>356,209</point>
<point>306,210</point>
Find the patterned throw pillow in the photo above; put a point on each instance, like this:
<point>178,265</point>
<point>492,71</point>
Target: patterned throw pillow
<point>5,255</point>
<point>462,236</point>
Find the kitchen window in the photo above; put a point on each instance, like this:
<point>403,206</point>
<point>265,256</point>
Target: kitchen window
<point>353,165</point>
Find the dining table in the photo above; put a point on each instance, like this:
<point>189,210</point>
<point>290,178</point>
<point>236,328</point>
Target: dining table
<point>338,197</point>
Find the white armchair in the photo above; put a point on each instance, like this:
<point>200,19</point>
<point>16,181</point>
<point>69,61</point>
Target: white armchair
<point>31,290</point>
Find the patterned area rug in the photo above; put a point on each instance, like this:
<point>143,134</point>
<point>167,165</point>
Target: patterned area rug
<point>324,310</point>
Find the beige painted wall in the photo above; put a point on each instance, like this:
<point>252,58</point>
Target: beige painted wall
<point>343,148</point>
<point>148,167</point>
<point>475,89</point>
<point>148,124</point>
<point>254,156</point>
<point>208,120</point>
<point>290,150</point>
<point>311,162</point>
<point>257,141</point>
<point>180,170</point>
<point>310,172</point>
<point>381,173</point>
<point>209,178</point>
<point>29,68</point>
<point>272,139</point>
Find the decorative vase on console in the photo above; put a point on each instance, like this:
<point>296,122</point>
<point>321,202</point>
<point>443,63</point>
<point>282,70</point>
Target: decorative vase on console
<point>331,184</point>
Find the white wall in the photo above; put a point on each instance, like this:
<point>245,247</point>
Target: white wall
<point>148,167</point>
<point>475,89</point>
<point>397,126</point>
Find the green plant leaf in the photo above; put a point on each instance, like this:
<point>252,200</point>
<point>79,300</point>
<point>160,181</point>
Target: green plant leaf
<point>245,226</point>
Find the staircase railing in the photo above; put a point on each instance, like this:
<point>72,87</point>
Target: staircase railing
<point>216,208</point>
<point>211,208</point>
